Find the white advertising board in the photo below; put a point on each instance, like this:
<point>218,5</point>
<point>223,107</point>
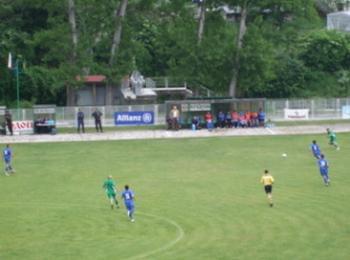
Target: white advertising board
<point>296,114</point>
<point>22,127</point>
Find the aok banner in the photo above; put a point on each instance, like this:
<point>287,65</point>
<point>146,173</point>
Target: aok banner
<point>134,118</point>
<point>296,114</point>
<point>22,127</point>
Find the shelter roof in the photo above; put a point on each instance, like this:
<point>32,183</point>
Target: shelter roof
<point>92,78</point>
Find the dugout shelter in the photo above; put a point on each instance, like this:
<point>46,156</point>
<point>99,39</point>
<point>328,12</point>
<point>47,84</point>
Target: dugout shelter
<point>198,107</point>
<point>44,119</point>
<point>2,121</point>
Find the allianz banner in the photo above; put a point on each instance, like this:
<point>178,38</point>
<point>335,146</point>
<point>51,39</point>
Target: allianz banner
<point>134,118</point>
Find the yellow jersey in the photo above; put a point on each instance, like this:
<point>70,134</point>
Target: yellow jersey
<point>267,179</point>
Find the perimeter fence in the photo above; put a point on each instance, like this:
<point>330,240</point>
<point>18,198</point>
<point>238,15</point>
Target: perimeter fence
<point>275,109</point>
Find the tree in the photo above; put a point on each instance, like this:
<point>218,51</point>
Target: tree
<point>73,24</point>
<point>201,20</point>
<point>119,17</point>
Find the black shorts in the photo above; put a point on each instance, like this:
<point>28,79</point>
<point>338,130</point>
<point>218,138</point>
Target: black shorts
<point>268,188</point>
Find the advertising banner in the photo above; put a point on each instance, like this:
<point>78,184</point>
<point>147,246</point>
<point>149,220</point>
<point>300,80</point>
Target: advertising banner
<point>196,107</point>
<point>22,127</point>
<point>134,118</point>
<point>345,112</point>
<point>296,114</point>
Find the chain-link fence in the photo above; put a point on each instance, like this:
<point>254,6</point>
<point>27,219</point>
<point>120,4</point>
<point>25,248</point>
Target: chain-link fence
<point>67,116</point>
<point>318,109</point>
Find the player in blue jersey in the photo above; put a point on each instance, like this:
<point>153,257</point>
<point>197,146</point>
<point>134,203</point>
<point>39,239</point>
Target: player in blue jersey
<point>7,157</point>
<point>323,165</point>
<point>316,151</point>
<point>128,196</point>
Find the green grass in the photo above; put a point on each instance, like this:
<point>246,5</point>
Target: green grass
<point>195,199</point>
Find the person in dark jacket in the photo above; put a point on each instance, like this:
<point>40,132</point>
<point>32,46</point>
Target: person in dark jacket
<point>97,116</point>
<point>80,118</point>
<point>8,119</point>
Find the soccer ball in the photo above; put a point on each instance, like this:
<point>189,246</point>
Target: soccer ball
<point>284,155</point>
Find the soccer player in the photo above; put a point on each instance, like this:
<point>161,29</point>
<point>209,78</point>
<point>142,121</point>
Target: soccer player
<point>128,196</point>
<point>111,191</point>
<point>316,149</point>
<point>323,165</point>
<point>7,157</point>
<point>268,180</point>
<point>332,138</point>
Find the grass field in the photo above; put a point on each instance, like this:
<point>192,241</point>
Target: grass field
<point>195,199</point>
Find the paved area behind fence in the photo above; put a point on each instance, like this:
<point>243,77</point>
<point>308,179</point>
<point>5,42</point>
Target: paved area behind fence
<point>160,134</point>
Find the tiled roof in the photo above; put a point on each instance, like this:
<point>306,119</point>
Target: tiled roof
<point>92,78</point>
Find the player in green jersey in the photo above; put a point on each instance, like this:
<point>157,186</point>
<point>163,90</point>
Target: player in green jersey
<point>332,138</point>
<point>111,191</point>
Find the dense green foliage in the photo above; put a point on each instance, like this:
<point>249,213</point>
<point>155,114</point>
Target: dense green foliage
<point>286,50</point>
<point>192,202</point>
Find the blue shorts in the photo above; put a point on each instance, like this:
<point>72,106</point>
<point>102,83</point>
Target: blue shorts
<point>324,171</point>
<point>129,205</point>
<point>7,160</point>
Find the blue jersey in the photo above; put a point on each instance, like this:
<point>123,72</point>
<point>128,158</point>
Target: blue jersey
<point>261,116</point>
<point>128,196</point>
<point>7,154</point>
<point>316,150</point>
<point>221,117</point>
<point>323,165</point>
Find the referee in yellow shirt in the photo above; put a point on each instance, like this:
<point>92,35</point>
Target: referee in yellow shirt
<point>268,180</point>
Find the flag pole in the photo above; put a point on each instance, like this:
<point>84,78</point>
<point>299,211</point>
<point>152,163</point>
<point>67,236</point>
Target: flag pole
<point>17,87</point>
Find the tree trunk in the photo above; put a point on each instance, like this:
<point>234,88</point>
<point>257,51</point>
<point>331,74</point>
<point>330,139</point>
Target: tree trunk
<point>241,32</point>
<point>73,25</point>
<point>119,17</point>
<point>201,22</point>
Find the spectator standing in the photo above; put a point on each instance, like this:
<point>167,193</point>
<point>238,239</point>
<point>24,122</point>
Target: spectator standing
<point>80,118</point>
<point>8,119</point>
<point>261,117</point>
<point>174,117</point>
<point>97,116</point>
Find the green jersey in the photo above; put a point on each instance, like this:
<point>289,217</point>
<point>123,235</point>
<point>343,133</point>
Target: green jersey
<point>109,185</point>
<point>332,137</point>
